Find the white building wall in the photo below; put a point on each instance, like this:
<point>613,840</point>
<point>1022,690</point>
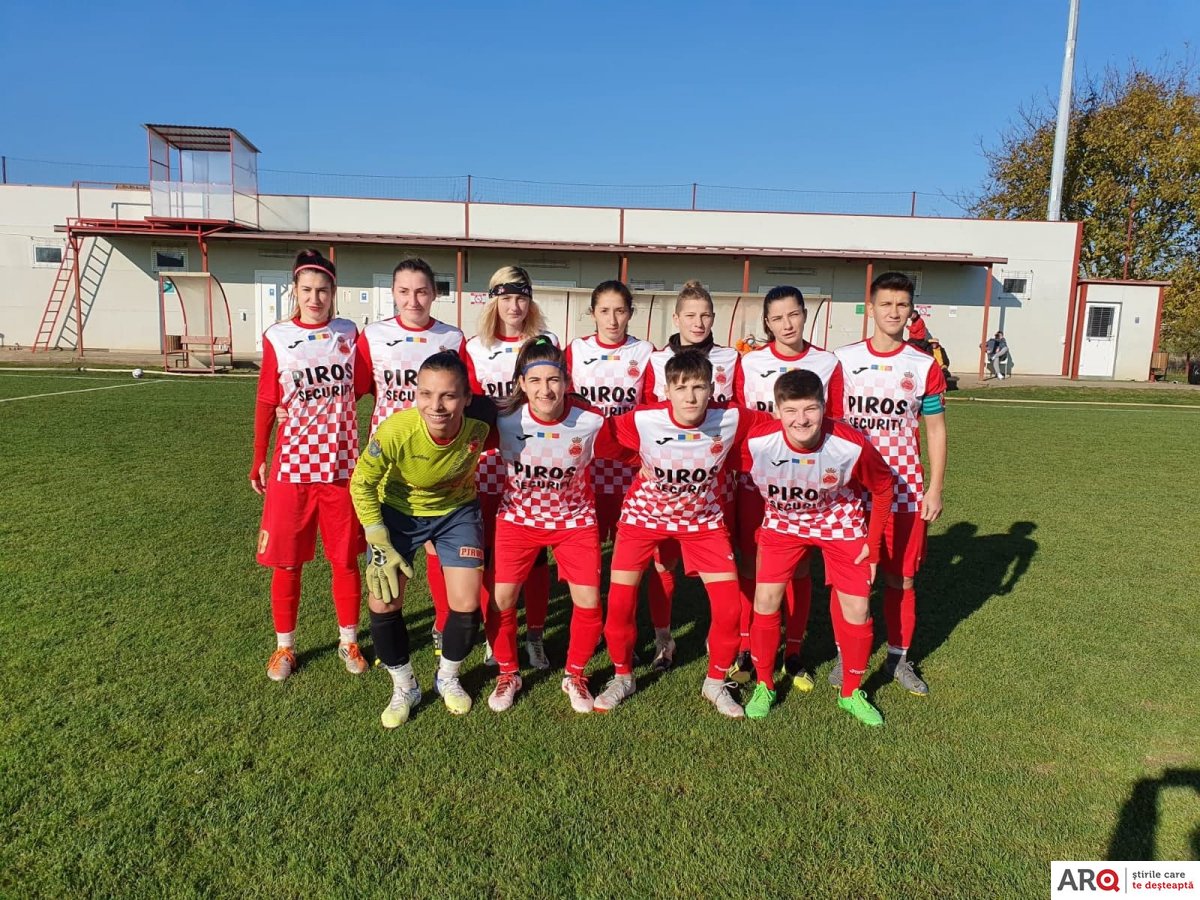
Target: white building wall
<point>125,315</point>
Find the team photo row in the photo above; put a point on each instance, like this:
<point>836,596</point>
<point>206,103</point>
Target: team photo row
<point>487,454</point>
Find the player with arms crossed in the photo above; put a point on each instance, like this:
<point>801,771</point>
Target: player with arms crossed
<point>548,441</point>
<point>610,369</point>
<point>694,316</point>
<point>388,355</point>
<point>890,387</point>
<point>307,379</point>
<point>810,472</point>
<point>784,316</point>
<point>684,445</point>
<point>510,319</point>
<point>416,483</point>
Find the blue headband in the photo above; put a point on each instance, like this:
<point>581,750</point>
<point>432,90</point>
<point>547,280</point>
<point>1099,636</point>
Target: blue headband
<point>543,362</point>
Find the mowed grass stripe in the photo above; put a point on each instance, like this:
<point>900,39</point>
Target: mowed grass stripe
<point>145,752</point>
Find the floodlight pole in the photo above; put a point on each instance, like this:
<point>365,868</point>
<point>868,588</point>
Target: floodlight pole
<point>1054,212</point>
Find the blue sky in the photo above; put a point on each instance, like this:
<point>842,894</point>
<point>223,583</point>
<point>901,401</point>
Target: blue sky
<point>857,95</point>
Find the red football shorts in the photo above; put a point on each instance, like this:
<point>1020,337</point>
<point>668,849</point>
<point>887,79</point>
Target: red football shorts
<point>576,550</point>
<point>292,513</point>
<point>779,554</point>
<point>903,544</point>
<point>702,551</point>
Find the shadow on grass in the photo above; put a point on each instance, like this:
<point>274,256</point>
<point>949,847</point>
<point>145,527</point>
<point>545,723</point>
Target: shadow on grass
<point>963,570</point>
<point>1134,838</point>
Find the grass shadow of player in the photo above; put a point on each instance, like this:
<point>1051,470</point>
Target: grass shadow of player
<point>964,570</point>
<point>1135,835</point>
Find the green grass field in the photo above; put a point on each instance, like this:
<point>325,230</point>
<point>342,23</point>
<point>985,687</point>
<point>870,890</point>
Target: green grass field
<point>143,752</point>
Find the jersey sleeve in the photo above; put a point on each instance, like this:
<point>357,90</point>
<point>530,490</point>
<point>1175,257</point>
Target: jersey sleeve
<point>648,383</point>
<point>608,447</point>
<point>739,384</point>
<point>369,473</point>
<point>935,382</point>
<point>624,431</point>
<point>749,419</point>
<point>835,406</point>
<point>266,400</point>
<point>472,377</point>
<point>364,382</point>
<point>873,474</point>
<point>567,356</point>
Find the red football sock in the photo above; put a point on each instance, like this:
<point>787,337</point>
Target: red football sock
<point>620,626</point>
<point>347,594</point>
<point>836,619</point>
<point>900,613</point>
<point>486,591</point>
<point>586,625</point>
<point>764,644</point>
<point>723,601</point>
<point>437,590</point>
<point>745,611</point>
<point>501,629</point>
<point>661,591</point>
<point>537,597</point>
<point>799,603</point>
<point>856,652</point>
<point>285,599</point>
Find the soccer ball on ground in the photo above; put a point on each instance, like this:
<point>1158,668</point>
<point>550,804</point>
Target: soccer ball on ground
<point>138,373</point>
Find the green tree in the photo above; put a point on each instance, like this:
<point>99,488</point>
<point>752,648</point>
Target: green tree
<point>1132,177</point>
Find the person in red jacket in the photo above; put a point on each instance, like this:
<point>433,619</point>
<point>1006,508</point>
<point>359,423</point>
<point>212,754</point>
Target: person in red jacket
<point>308,373</point>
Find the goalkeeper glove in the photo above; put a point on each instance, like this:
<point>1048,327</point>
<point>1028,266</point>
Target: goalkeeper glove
<point>383,579</point>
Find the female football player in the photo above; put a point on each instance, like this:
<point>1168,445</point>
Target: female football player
<point>308,375</point>
<point>510,319</point>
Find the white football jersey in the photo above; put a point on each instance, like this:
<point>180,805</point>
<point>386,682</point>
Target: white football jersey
<point>395,353</point>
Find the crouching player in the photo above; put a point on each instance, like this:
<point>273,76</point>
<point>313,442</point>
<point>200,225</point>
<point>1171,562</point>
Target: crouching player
<point>810,472</point>
<point>547,442</point>
<point>421,463</point>
<point>685,448</point>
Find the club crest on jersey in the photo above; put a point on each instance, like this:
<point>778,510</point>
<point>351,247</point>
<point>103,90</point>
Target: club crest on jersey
<point>907,381</point>
<point>830,478</point>
<point>576,448</point>
<point>374,450</point>
<point>473,446</point>
<point>717,447</point>
<point>720,378</point>
<point>633,371</point>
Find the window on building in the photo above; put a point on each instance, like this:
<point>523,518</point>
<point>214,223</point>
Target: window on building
<point>47,255</point>
<point>915,275</point>
<point>641,284</point>
<point>1100,322</point>
<point>1016,285</point>
<point>169,259</point>
<point>445,286</point>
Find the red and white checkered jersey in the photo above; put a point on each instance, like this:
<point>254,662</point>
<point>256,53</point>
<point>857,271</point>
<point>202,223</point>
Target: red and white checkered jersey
<point>688,466</point>
<point>761,368</point>
<point>613,378</point>
<point>883,401</point>
<point>814,493</point>
<point>314,370</point>
<point>548,465</point>
<point>392,353</point>
<point>491,373</point>
<point>724,362</point>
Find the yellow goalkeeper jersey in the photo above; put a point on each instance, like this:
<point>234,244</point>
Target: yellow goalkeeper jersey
<point>406,469</point>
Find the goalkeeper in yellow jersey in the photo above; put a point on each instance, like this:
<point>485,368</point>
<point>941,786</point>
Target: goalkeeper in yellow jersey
<point>416,483</point>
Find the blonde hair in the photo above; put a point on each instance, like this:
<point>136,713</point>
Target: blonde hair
<point>489,319</point>
<point>312,261</point>
<point>693,290</point>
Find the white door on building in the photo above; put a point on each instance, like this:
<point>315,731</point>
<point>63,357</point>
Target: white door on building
<point>1098,355</point>
<point>385,306</point>
<point>273,301</point>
